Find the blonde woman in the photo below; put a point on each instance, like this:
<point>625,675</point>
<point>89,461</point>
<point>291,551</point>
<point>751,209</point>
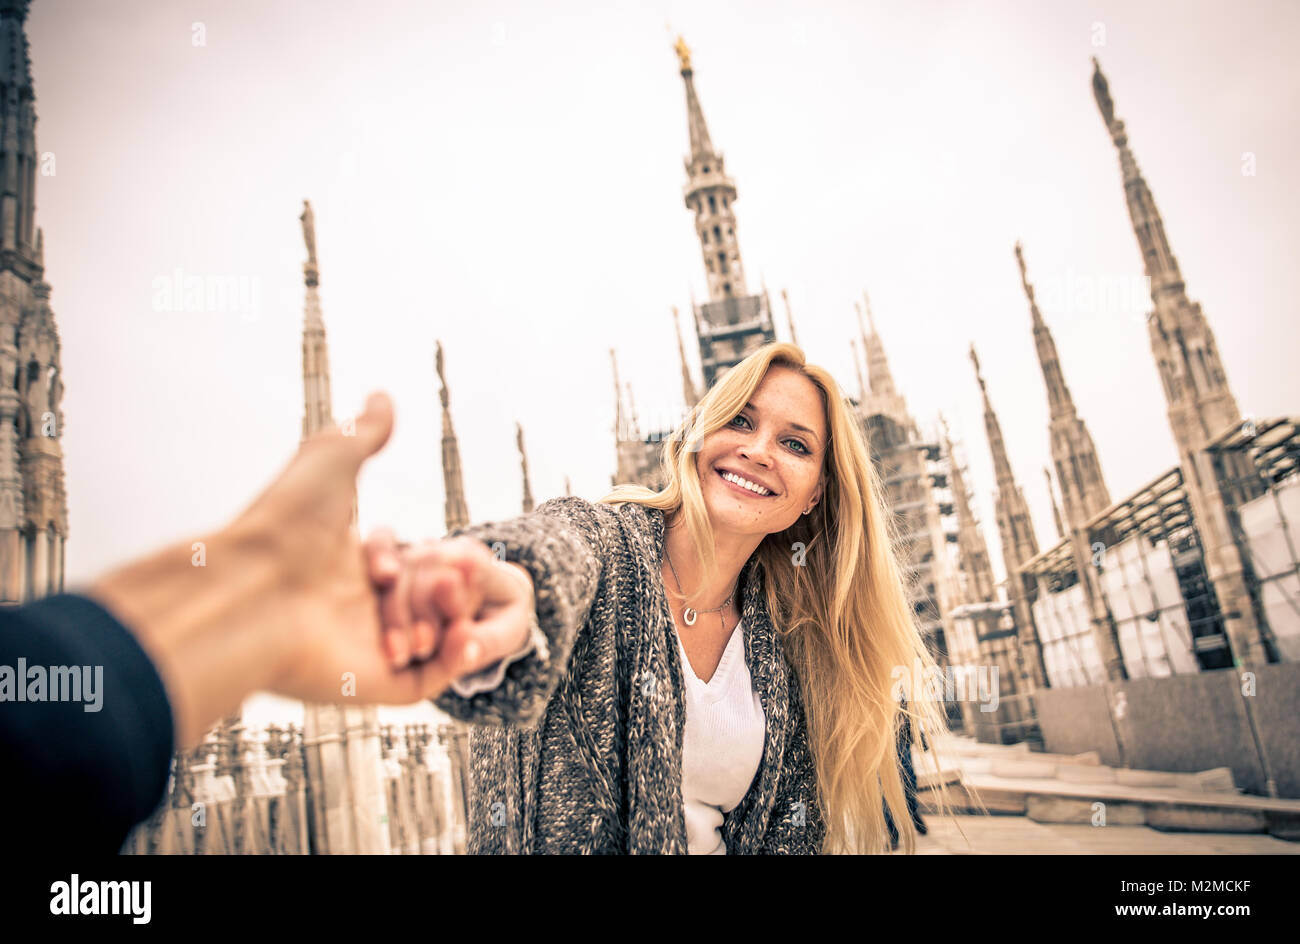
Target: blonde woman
<point>705,669</point>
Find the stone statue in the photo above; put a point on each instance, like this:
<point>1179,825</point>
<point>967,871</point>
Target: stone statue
<point>683,53</point>
<point>1101,90</point>
<point>56,390</point>
<point>442,392</point>
<point>309,231</point>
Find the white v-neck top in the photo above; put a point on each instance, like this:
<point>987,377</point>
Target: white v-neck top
<point>722,745</point>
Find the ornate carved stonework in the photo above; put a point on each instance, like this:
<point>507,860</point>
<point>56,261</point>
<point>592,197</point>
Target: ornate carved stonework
<point>33,502</point>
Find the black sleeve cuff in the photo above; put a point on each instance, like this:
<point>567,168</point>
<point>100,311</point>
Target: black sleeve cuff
<point>81,771</point>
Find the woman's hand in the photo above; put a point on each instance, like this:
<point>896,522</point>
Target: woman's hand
<point>451,606</point>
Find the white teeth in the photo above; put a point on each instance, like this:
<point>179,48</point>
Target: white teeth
<point>744,483</point>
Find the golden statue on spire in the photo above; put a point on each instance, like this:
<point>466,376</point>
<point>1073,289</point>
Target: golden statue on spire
<point>683,53</point>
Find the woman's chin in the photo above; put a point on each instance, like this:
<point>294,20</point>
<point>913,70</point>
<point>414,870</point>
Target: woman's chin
<point>724,516</point>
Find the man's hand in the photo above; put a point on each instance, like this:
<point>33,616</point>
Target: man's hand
<point>449,607</point>
<point>333,648</point>
<point>280,600</point>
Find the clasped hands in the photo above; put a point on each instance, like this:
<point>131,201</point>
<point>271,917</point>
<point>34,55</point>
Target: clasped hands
<point>400,623</point>
<point>450,606</point>
<point>287,598</point>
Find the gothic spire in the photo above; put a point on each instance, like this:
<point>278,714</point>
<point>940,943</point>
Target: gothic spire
<point>631,409</point>
<point>317,400</point>
<point>997,445</point>
<point>1201,404</point>
<point>789,317</point>
<point>701,145</point>
<point>523,464</point>
<point>710,194</point>
<point>455,509</point>
<point>1015,533</point>
<point>1058,394</point>
<point>689,394</point>
<point>1056,511</point>
<point>857,367</point>
<point>619,418</point>
<point>878,374</point>
<point>33,496</point>
<point>974,551</point>
<point>17,139</point>
<point>1083,489</point>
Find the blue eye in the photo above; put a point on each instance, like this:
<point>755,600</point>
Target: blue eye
<point>803,450</point>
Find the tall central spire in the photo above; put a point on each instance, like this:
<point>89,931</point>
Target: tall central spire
<point>710,193</point>
<point>732,324</point>
<point>701,145</point>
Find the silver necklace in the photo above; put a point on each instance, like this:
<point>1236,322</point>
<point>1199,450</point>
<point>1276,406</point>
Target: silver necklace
<point>690,614</point>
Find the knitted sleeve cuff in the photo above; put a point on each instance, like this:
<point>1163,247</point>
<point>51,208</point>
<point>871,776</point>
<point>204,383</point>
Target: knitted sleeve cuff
<point>561,544</point>
<point>489,678</point>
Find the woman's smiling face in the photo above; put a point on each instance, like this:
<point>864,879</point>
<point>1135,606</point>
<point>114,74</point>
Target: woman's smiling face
<point>777,443</point>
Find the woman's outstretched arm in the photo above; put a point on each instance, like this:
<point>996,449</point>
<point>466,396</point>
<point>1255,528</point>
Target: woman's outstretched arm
<point>558,551</point>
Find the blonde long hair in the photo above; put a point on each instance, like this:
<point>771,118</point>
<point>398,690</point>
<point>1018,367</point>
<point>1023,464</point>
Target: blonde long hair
<point>836,596</point>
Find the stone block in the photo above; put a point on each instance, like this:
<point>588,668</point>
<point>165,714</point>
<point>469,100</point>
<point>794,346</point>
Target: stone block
<point>1283,825</point>
<point>1083,811</point>
<point>1216,780</point>
<point>995,800</point>
<point>1083,773</point>
<point>1148,778</point>
<point>1004,767</point>
<point>1205,819</point>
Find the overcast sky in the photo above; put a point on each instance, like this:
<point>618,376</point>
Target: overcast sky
<point>508,177</point>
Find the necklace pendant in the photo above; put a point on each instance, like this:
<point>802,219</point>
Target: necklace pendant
<point>690,616</point>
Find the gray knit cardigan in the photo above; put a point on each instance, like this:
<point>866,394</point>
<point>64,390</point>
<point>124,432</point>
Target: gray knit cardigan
<point>581,752</point>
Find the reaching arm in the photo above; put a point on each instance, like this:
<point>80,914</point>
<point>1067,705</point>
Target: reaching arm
<point>561,548</point>
<point>489,678</point>
<point>87,757</point>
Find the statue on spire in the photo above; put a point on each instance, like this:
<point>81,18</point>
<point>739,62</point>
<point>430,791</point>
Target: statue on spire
<point>683,54</point>
<point>442,393</point>
<point>1101,90</point>
<point>1024,274</point>
<point>309,231</point>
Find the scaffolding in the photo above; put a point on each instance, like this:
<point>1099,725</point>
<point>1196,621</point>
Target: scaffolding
<point>1262,503</point>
